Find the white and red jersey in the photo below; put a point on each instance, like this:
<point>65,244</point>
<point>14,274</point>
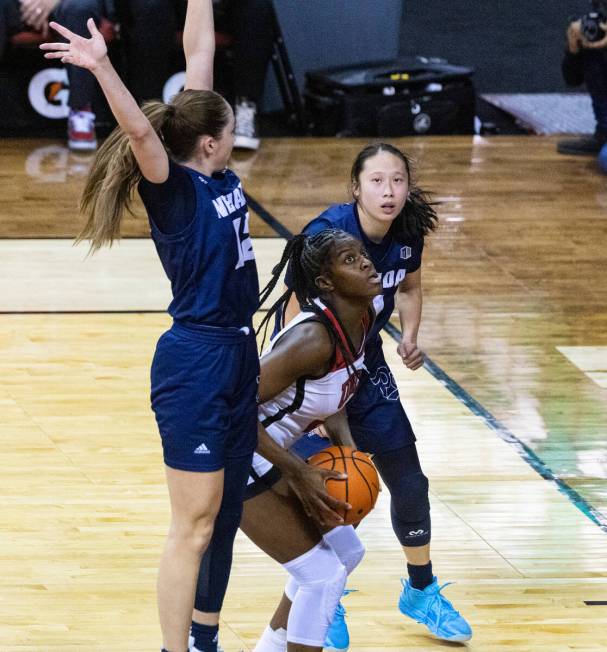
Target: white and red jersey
<point>310,400</point>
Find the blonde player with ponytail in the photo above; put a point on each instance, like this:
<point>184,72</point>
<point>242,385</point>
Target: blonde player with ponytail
<point>176,156</point>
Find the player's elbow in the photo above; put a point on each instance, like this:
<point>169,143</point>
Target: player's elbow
<point>139,132</point>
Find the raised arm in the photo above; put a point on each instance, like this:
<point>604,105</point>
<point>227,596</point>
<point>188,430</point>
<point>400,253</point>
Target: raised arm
<point>199,45</point>
<point>91,53</point>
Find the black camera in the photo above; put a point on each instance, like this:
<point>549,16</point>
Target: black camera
<point>591,28</point>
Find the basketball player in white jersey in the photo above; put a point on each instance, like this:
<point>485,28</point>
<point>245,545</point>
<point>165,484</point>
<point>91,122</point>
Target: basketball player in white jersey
<point>308,373</point>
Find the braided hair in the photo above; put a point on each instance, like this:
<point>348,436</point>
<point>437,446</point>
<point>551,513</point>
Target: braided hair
<point>418,217</point>
<point>308,257</point>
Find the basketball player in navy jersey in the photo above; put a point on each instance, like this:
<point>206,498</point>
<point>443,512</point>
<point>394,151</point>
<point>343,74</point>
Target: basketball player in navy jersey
<point>176,155</point>
<point>392,216</point>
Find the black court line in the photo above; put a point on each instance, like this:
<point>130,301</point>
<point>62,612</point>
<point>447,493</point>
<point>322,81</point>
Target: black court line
<point>526,453</point>
<point>596,603</point>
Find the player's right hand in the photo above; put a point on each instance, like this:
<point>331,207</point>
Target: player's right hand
<point>308,482</point>
<point>79,51</point>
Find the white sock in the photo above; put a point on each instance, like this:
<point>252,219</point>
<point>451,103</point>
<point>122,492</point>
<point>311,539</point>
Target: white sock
<point>272,641</point>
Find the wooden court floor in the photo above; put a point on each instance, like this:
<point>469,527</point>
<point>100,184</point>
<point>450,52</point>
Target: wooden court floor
<point>510,411</point>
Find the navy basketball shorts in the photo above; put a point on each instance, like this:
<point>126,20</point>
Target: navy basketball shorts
<point>377,419</point>
<point>204,395</point>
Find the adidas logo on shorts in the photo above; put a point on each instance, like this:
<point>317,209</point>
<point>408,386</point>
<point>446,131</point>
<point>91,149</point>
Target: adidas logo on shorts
<point>202,450</point>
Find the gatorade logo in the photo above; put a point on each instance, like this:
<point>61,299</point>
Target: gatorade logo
<point>48,93</point>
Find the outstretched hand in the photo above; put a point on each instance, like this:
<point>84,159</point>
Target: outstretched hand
<point>79,51</point>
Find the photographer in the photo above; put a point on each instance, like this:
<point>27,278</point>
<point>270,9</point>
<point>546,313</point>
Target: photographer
<point>585,61</point>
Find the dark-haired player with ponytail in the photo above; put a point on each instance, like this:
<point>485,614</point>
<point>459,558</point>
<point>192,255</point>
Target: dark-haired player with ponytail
<point>176,156</point>
<point>308,373</point>
<point>392,216</point>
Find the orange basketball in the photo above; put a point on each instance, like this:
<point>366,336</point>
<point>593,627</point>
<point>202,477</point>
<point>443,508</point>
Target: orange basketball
<point>361,487</point>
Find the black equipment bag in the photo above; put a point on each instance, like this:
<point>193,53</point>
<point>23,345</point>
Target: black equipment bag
<point>407,96</point>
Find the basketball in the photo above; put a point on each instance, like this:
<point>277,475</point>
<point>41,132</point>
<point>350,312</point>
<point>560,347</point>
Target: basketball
<point>361,487</point>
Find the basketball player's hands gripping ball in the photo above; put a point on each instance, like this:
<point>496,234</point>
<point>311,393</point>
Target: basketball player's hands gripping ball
<point>359,489</point>
<point>309,484</point>
<point>83,52</point>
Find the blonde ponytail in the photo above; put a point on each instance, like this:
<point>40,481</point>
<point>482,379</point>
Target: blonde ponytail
<point>109,188</point>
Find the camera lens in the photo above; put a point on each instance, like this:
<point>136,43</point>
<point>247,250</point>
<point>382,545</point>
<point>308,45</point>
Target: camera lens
<point>591,28</point>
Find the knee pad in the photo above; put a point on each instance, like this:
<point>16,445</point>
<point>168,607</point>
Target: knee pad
<point>291,587</point>
<point>410,510</point>
<point>320,577</point>
<point>409,506</point>
<point>347,546</point>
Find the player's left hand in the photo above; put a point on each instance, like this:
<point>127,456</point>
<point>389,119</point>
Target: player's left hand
<point>309,484</point>
<point>86,53</point>
<point>412,357</point>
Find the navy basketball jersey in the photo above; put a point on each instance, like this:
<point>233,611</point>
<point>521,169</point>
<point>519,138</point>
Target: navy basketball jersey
<point>392,259</point>
<point>210,263</point>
